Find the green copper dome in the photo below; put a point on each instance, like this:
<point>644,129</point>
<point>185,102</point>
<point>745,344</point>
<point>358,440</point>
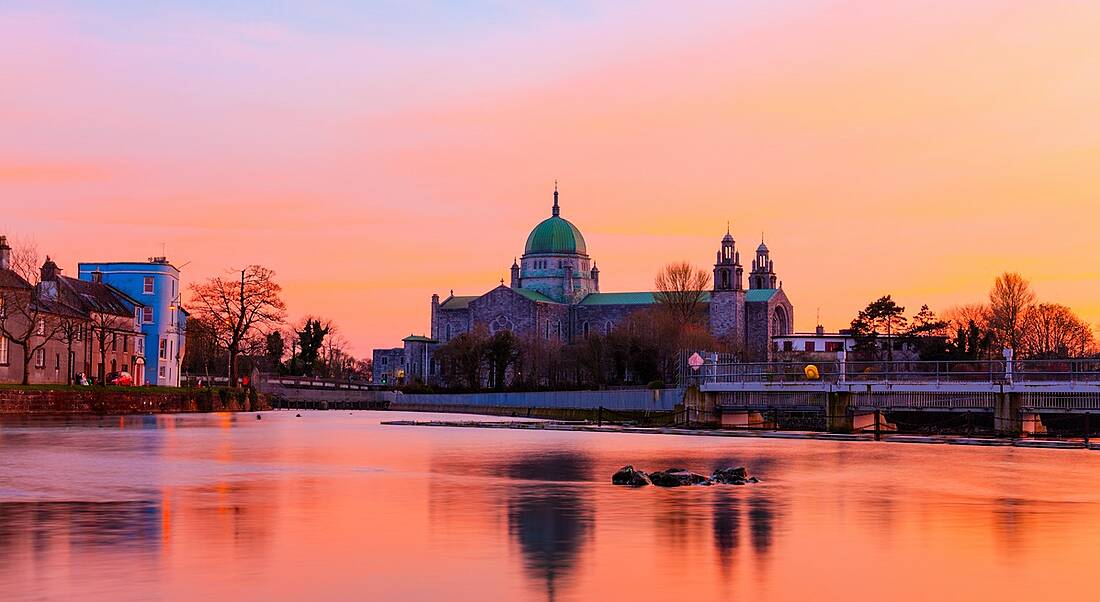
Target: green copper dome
<point>556,235</point>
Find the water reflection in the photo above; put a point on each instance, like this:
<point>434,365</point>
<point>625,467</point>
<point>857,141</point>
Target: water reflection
<point>551,528</point>
<point>550,521</point>
<point>129,524</point>
<point>726,526</point>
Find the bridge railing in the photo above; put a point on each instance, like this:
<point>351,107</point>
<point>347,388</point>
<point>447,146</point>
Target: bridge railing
<point>1075,371</point>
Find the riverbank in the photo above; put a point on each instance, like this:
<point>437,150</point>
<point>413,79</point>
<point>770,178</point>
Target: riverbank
<point>809,435</point>
<point>76,400</point>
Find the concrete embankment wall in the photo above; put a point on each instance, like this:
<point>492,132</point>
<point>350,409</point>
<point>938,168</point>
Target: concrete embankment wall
<point>633,400</point>
<point>140,400</point>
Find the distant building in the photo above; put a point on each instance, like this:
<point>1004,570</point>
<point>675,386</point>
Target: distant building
<point>156,285</point>
<point>823,346</point>
<point>554,294</point>
<point>82,327</point>
<point>388,366</point>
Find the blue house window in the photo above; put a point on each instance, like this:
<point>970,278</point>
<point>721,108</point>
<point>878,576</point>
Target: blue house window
<point>147,285</point>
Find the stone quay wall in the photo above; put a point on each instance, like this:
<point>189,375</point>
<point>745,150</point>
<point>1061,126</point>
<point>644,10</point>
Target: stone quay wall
<point>112,401</point>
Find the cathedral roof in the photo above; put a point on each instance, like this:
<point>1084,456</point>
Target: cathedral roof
<point>641,298</point>
<point>555,234</point>
<point>760,294</point>
<point>534,295</point>
<point>457,302</point>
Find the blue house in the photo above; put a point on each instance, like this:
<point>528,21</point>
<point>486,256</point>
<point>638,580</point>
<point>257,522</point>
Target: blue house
<point>155,284</point>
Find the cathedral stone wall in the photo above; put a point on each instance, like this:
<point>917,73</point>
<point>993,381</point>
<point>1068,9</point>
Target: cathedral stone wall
<point>762,324</point>
<point>553,322</point>
<point>727,317</point>
<point>598,317</point>
<point>449,323</point>
<point>504,309</point>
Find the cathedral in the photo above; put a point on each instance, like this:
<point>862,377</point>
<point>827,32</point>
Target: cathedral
<point>555,294</point>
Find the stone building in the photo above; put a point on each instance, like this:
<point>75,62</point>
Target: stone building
<point>74,326</point>
<point>554,293</point>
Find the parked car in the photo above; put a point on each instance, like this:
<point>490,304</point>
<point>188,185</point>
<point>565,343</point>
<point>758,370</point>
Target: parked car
<point>120,379</point>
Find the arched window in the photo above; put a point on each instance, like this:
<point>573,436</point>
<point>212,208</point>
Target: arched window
<point>779,322</point>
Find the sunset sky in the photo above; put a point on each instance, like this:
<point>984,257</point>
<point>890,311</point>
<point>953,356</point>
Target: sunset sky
<point>375,153</point>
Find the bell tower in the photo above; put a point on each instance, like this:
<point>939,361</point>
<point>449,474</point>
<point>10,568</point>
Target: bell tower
<point>762,275</point>
<point>727,267</point>
<point>727,298</point>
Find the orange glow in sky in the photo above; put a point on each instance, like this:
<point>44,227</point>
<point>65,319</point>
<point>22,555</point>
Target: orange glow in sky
<point>372,158</point>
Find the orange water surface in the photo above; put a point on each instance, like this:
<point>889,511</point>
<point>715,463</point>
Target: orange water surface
<point>335,506</point>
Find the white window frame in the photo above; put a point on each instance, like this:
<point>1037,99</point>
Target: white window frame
<point>4,351</point>
<point>147,312</point>
<point>40,358</point>
<point>163,349</point>
<point>148,286</point>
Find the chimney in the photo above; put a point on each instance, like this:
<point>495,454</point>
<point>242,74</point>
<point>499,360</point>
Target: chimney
<point>820,330</point>
<point>5,254</point>
<point>97,277</point>
<point>50,271</point>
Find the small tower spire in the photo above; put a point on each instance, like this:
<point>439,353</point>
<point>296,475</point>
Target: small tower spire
<point>556,210</point>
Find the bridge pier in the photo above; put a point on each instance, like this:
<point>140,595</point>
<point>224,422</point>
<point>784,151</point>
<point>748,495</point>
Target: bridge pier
<point>1008,421</point>
<point>838,418</point>
<point>701,407</point>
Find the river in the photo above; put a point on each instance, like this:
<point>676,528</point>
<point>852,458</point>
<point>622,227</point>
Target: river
<point>335,506</point>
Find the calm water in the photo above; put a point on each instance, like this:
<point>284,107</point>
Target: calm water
<point>334,506</point>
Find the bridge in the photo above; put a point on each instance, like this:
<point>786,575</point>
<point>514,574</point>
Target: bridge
<point>300,392</point>
<point>855,395</point>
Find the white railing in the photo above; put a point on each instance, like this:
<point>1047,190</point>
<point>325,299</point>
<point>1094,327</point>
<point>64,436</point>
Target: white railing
<point>1076,371</point>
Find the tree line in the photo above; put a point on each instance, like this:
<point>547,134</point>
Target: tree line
<point>1012,317</point>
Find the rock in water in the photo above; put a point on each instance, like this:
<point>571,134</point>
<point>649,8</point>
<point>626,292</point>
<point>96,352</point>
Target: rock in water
<point>677,477</point>
<point>630,477</point>
<point>731,476</point>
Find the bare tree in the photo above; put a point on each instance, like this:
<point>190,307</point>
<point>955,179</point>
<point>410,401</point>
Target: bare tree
<point>1053,330</point>
<point>1009,300</point>
<point>235,309</point>
<point>70,330</point>
<point>681,289</point>
<point>25,318</point>
<point>105,330</point>
<point>960,316</point>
